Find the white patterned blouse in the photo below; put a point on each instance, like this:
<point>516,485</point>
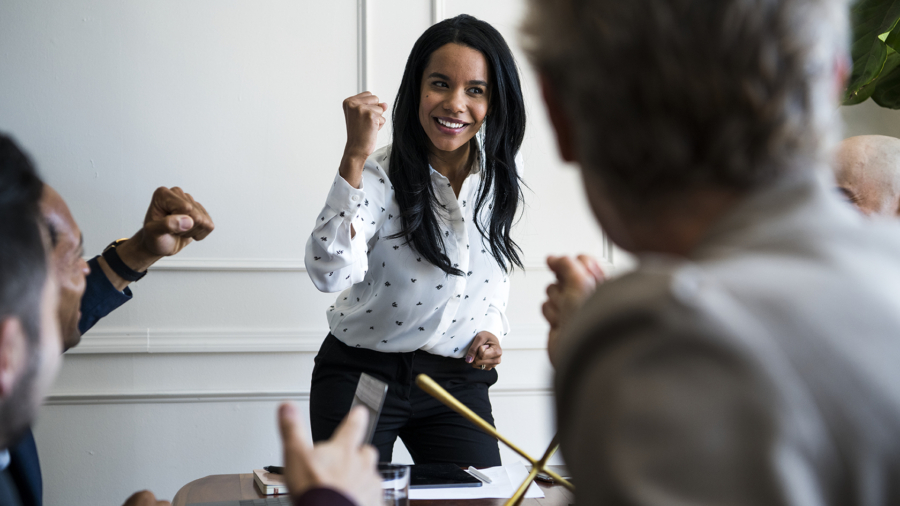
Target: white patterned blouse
<point>391,299</point>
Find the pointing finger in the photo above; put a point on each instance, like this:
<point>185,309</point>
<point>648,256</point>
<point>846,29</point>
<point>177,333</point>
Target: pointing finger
<point>352,430</point>
<point>295,446</point>
<point>288,425</point>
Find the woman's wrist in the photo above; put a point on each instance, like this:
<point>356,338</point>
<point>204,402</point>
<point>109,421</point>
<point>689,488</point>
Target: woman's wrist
<point>351,168</point>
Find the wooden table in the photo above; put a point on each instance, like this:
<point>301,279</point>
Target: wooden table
<point>224,487</point>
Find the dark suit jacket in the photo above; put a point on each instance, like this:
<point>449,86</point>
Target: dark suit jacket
<point>100,298</point>
<point>25,470</point>
<point>8,494</point>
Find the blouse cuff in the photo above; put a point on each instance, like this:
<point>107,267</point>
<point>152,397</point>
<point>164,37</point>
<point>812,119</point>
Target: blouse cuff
<point>496,323</point>
<point>345,199</point>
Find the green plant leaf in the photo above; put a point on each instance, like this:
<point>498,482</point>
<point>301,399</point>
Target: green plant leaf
<point>868,65</point>
<point>861,95</point>
<point>893,39</point>
<point>892,62</point>
<point>887,92</point>
<point>871,20</point>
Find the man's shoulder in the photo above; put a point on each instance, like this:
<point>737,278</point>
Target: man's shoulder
<point>646,295</point>
<point>669,311</point>
<point>671,305</point>
<point>763,312</point>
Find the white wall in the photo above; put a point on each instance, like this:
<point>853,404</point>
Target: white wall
<point>238,102</point>
<point>869,119</point>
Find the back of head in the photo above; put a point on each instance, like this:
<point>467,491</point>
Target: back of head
<point>867,170</point>
<point>23,272</point>
<point>672,95</point>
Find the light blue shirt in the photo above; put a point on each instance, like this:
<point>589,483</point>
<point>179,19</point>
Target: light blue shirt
<point>4,459</point>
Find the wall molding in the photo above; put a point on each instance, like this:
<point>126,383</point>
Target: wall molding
<point>362,45</point>
<point>437,11</point>
<point>74,399</point>
<point>261,265</point>
<point>251,340</point>
<point>230,264</point>
<point>297,265</point>
<point>95,398</point>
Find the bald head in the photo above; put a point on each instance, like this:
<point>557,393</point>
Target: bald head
<point>867,169</point>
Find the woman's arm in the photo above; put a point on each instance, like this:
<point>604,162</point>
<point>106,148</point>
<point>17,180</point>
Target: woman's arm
<point>337,256</point>
<point>335,253</point>
<point>364,116</point>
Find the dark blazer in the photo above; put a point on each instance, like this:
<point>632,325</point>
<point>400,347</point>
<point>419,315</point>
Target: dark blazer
<point>100,298</point>
<point>25,470</point>
<point>8,493</point>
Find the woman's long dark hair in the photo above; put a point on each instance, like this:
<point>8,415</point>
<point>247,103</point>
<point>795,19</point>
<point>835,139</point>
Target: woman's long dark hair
<point>500,188</point>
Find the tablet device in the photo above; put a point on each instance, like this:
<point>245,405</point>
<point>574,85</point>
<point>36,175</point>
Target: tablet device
<point>370,392</point>
<point>441,476</point>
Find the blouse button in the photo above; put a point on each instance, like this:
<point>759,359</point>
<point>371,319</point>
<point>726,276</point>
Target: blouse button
<point>354,198</point>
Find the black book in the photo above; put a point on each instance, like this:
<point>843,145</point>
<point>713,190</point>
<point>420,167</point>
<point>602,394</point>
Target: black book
<point>441,476</point>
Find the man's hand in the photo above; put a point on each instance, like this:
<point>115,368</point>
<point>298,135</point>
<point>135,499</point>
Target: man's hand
<point>145,498</point>
<point>484,351</point>
<point>173,221</point>
<point>576,280</point>
<point>342,463</point>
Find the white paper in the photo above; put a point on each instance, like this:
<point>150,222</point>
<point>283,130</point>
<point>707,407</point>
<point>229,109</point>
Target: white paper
<point>505,480</point>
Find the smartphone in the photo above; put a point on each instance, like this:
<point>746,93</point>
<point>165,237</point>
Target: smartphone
<point>370,392</point>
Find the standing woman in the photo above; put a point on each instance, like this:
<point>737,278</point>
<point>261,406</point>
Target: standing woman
<point>416,235</point>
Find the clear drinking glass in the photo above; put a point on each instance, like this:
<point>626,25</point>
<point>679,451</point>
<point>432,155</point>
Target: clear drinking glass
<point>394,484</point>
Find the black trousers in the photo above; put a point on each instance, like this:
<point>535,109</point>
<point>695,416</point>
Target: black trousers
<point>431,431</point>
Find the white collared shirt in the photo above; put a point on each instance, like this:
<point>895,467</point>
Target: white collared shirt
<point>391,299</point>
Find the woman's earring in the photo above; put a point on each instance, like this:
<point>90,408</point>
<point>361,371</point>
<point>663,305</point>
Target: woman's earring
<point>480,136</point>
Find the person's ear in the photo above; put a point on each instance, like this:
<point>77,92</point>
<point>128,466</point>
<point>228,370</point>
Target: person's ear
<point>562,124</point>
<point>13,354</point>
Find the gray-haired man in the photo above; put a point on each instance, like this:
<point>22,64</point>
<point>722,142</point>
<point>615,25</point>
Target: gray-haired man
<point>752,357</point>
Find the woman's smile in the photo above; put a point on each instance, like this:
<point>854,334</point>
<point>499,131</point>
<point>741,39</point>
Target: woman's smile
<point>450,126</point>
